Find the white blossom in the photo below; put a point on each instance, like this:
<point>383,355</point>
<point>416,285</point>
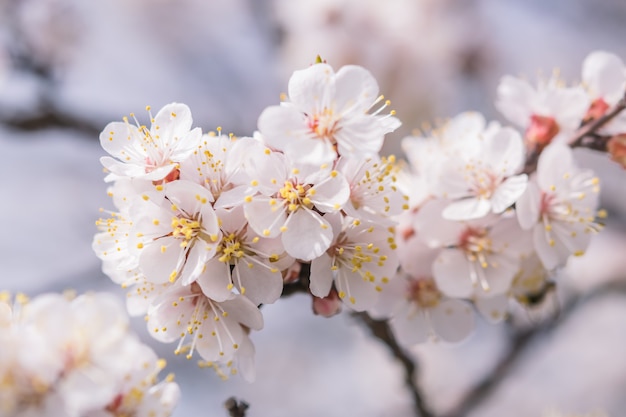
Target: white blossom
<point>327,115</point>
<point>360,262</point>
<point>150,153</point>
<point>290,202</point>
<point>559,207</point>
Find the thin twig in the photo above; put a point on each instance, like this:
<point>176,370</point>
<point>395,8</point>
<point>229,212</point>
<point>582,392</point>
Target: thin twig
<point>51,117</point>
<point>586,136</point>
<point>518,345</point>
<point>380,329</point>
<point>592,127</point>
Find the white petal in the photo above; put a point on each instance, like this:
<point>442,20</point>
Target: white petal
<point>360,294</point>
<point>515,100</point>
<point>331,194</point>
<point>452,274</point>
<point>262,216</point>
<point>555,160</point>
<point>262,286</point>
<point>605,75</point>
<point>312,88</point>
<point>355,89</point>
<point>244,311</point>
<point>307,236</point>
<point>433,229</point>
<point>528,205</point>
<point>174,122</point>
<point>508,192</point>
<point>410,325</point>
<point>159,260</point>
<point>215,280</point>
<point>452,320</point>
<point>494,309</point>
<point>467,209</point>
<point>321,277</point>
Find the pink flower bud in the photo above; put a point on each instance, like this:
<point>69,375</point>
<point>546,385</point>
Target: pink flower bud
<point>327,306</point>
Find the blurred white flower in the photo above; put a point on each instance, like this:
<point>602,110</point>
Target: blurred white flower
<point>74,358</point>
<point>485,177</point>
<point>418,310</point>
<point>478,257</point>
<point>604,76</point>
<point>374,194</point>
<point>559,206</point>
<point>152,154</point>
<point>360,261</point>
<point>548,112</point>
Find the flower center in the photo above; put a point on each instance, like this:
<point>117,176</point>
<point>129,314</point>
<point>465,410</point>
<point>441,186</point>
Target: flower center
<point>296,195</point>
<point>323,125</point>
<point>483,182</point>
<point>230,247</point>
<point>476,244</point>
<point>541,131</point>
<point>424,292</point>
<point>186,229</point>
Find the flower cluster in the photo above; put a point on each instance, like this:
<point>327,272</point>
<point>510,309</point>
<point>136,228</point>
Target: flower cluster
<point>208,227</point>
<point>77,358</point>
<point>494,212</point>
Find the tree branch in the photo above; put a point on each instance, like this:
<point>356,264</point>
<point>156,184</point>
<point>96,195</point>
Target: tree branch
<point>51,117</point>
<point>380,329</point>
<point>585,137</point>
<point>592,127</point>
<point>235,407</point>
<point>519,342</point>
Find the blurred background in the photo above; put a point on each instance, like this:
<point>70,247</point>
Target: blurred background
<point>68,67</point>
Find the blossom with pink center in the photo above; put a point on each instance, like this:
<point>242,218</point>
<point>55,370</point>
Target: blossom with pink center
<point>217,164</point>
<point>328,115</point>
<point>290,201</point>
<point>429,155</point>
<point>559,207</point>
<point>548,112</point>
<point>478,257</point>
<point>174,233</point>
<point>374,194</point>
<point>216,330</point>
<point>418,310</point>
<point>76,357</point>
<point>250,263</point>
<point>152,154</point>
<point>485,180</point>
<point>604,76</point>
<point>360,262</point>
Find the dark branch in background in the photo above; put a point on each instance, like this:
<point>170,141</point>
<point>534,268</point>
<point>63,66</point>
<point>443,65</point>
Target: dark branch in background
<point>591,128</point>
<point>519,343</point>
<point>235,407</point>
<point>380,329</point>
<point>50,117</point>
<point>585,137</point>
